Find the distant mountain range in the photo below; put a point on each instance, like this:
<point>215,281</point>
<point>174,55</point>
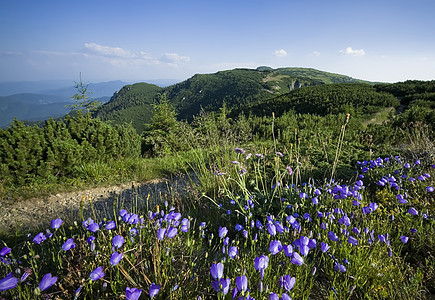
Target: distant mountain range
<point>30,107</point>
<point>33,101</point>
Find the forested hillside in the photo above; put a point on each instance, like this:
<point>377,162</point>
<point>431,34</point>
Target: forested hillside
<point>356,99</point>
<point>417,100</point>
<point>132,104</point>
<point>237,88</point>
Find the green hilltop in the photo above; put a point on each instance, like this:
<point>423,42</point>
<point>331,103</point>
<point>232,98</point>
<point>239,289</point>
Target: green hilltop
<point>239,89</point>
<point>321,77</point>
<point>133,103</point>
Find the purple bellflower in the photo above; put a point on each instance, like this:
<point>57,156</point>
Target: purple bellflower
<point>273,296</point>
<point>9,282</point>
<point>97,274</point>
<point>352,240</point>
<point>284,296</point>
<point>217,271</point>
<point>132,293</point>
<point>172,231</point>
<point>93,227</point>
<point>68,245</point>
<point>55,224</point>
<point>413,211</point>
<point>154,289</point>
<point>117,241</point>
<point>222,232</point>
<point>39,238</point>
<point>47,281</point>
<point>232,252</point>
<point>261,264</point>
<point>5,251</point>
<point>242,283</point>
<point>115,258</point>
<point>332,236</point>
<point>275,247</point>
<point>297,259</point>
<point>111,225</point>
<point>288,282</point>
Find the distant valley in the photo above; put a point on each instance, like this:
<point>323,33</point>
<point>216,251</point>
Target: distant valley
<point>35,101</point>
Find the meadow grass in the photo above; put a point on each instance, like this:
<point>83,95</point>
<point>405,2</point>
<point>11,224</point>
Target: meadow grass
<point>252,229</point>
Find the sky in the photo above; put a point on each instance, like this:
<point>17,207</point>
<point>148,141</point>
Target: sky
<point>139,40</point>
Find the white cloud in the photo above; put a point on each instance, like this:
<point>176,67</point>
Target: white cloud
<point>96,61</point>
<point>147,58</point>
<point>174,58</point>
<point>108,51</point>
<point>145,55</point>
<point>315,53</point>
<point>10,53</point>
<point>280,53</point>
<point>353,52</point>
<point>120,57</point>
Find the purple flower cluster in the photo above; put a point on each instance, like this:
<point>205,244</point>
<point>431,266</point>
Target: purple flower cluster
<point>169,223</point>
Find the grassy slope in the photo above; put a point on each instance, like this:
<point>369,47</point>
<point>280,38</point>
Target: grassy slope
<point>321,76</point>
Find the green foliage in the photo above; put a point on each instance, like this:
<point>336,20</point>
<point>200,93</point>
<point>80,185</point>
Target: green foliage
<point>209,91</point>
<point>406,88</point>
<point>21,153</point>
<point>417,100</point>
<point>56,149</point>
<point>416,114</point>
<point>356,99</point>
<point>165,135</point>
<point>160,137</point>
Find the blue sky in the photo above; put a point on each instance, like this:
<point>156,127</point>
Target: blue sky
<point>138,40</point>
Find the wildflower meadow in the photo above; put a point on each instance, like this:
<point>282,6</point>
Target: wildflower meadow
<point>261,233</point>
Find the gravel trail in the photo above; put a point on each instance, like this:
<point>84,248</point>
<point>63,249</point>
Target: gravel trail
<point>34,214</point>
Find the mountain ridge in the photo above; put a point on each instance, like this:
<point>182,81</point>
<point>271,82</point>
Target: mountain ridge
<point>237,88</point>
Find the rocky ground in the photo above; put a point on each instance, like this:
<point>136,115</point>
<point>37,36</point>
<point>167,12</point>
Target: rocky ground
<point>36,214</point>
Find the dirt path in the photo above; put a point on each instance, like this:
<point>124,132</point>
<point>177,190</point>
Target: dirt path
<point>37,213</point>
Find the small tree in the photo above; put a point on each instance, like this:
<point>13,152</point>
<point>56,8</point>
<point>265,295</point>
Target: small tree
<point>83,102</point>
<point>164,116</point>
<point>161,133</point>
